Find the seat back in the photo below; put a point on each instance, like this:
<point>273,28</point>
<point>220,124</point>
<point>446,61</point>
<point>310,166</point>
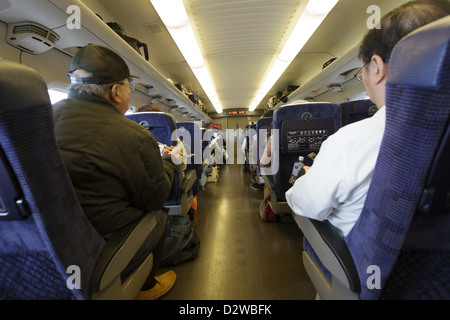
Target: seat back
<point>191,135</point>
<point>413,263</point>
<point>205,142</point>
<point>250,133</point>
<point>353,111</point>
<point>302,129</point>
<point>44,233</point>
<point>263,132</point>
<point>162,125</point>
<point>247,136</point>
<point>212,152</point>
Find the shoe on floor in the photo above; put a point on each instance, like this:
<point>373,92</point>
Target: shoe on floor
<point>254,186</point>
<point>163,285</point>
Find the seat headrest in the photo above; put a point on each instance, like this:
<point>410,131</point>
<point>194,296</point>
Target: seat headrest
<point>159,119</point>
<point>187,125</point>
<point>264,121</point>
<point>419,57</point>
<point>21,87</point>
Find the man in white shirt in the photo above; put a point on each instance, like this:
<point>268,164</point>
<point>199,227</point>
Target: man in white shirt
<point>335,187</point>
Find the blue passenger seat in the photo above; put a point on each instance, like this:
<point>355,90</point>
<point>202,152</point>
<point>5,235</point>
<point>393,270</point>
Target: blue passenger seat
<point>204,142</point>
<point>214,154</point>
<point>191,135</point>
<point>163,127</point>
<point>247,134</point>
<point>399,247</point>
<point>301,130</point>
<point>357,110</point>
<point>49,249</point>
<point>264,128</point>
<point>250,132</point>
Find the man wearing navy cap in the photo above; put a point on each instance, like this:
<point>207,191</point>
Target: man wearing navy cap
<point>113,162</point>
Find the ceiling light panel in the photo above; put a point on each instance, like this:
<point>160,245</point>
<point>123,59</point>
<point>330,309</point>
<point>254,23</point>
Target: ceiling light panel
<point>311,18</point>
<point>177,22</point>
<point>245,33</point>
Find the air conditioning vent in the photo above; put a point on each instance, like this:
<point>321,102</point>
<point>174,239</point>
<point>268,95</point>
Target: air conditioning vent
<point>31,37</point>
<point>336,87</point>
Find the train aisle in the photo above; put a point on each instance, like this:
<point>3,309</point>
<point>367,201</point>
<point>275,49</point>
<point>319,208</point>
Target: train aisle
<point>241,257</point>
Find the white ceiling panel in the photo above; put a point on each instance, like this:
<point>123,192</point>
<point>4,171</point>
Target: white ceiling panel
<point>239,40</point>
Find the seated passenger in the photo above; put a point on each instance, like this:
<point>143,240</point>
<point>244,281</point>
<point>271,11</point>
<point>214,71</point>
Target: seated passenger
<point>149,108</point>
<point>243,144</point>
<point>264,163</point>
<point>253,161</point>
<point>266,159</point>
<point>114,163</point>
<point>178,151</point>
<point>336,185</point>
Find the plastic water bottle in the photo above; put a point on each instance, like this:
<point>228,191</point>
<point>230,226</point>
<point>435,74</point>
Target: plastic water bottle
<point>298,165</point>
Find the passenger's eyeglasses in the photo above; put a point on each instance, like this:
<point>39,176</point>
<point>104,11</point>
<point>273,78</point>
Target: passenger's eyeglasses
<point>131,86</point>
<point>358,75</point>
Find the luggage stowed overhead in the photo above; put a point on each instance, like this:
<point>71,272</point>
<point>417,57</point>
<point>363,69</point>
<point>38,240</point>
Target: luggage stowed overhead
<point>134,43</point>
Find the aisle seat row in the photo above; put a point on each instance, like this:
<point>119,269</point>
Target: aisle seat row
<point>399,246</point>
<point>162,125</point>
<point>300,129</point>
<point>44,232</point>
<point>199,163</point>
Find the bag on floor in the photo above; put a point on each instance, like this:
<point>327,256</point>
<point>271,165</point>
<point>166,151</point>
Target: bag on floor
<point>182,243</point>
<point>266,212</point>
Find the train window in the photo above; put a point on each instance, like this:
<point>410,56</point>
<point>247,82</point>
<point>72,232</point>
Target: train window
<point>56,95</point>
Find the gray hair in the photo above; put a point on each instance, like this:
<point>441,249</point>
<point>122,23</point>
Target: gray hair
<point>93,89</point>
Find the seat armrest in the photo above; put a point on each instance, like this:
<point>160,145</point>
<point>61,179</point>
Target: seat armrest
<point>188,181</point>
<point>331,249</point>
<point>268,180</point>
<point>278,207</point>
<point>119,250</point>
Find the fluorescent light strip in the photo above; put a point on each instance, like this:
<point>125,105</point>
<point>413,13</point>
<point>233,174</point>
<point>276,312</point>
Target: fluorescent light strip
<point>174,16</point>
<point>313,15</point>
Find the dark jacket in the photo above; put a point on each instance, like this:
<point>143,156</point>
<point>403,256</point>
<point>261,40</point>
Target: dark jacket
<point>113,162</point>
